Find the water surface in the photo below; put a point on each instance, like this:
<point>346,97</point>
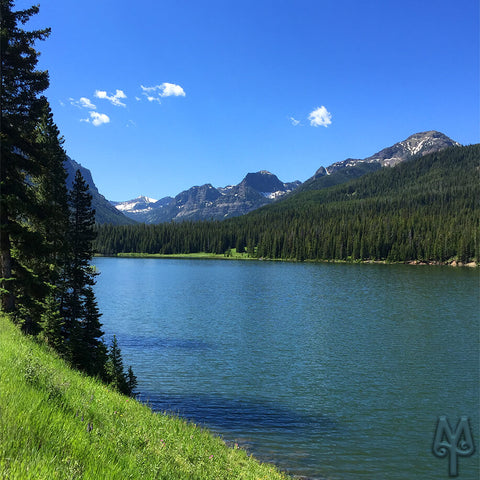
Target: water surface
<point>331,371</point>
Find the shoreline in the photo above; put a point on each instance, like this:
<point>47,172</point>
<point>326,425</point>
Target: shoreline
<point>215,256</point>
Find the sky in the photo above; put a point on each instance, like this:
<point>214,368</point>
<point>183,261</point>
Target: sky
<point>155,97</point>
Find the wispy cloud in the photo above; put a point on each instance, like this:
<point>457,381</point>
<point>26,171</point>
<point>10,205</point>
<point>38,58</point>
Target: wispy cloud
<point>153,99</point>
<point>165,89</point>
<point>84,102</point>
<point>320,117</point>
<point>294,121</point>
<point>114,99</point>
<point>96,119</point>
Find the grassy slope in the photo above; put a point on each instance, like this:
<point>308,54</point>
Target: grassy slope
<point>45,412</point>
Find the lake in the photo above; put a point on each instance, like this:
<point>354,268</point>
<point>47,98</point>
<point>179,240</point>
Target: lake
<point>330,371</point>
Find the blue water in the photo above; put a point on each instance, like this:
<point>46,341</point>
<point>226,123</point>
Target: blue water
<point>330,371</point>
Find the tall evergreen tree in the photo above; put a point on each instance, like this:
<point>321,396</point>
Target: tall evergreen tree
<point>91,352</point>
<point>77,304</point>
<point>21,288</point>
<point>51,196</point>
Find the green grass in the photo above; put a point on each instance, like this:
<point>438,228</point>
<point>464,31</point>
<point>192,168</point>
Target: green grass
<point>233,255</point>
<point>47,409</point>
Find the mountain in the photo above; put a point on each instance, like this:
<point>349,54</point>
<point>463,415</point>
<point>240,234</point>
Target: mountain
<point>104,211</point>
<point>206,202</point>
<point>424,211</point>
<point>139,208</point>
<point>137,205</point>
<point>416,145</point>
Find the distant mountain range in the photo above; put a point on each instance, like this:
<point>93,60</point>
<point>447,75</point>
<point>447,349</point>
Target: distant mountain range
<point>206,202</point>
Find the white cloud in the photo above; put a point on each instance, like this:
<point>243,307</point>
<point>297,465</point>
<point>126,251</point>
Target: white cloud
<point>84,102</point>
<point>294,121</point>
<point>163,90</point>
<point>96,119</point>
<point>320,117</point>
<point>114,99</point>
<point>170,89</point>
<point>99,118</point>
<point>148,89</point>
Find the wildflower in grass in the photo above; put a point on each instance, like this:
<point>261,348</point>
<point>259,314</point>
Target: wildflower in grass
<point>210,457</point>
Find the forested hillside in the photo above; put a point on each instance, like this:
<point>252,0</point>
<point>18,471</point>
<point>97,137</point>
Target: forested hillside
<point>426,209</point>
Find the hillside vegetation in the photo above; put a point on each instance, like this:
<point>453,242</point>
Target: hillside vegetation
<point>425,209</point>
<point>56,423</point>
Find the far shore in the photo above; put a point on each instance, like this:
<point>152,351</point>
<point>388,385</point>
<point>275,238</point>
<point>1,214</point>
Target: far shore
<point>244,256</point>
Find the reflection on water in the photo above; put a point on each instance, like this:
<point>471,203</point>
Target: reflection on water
<point>329,371</point>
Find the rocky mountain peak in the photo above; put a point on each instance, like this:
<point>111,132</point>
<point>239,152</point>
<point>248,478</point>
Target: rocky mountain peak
<point>420,143</point>
<point>263,181</point>
<point>138,204</point>
<point>415,145</point>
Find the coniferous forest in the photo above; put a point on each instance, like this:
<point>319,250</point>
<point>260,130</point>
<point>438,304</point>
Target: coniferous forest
<point>426,209</point>
<point>47,233</point>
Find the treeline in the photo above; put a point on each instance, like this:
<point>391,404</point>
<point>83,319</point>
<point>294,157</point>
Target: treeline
<point>47,233</point>
<point>425,209</point>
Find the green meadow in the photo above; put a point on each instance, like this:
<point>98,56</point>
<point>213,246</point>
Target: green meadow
<point>56,423</point>
<point>231,255</point>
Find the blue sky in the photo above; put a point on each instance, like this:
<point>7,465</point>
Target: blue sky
<point>155,97</point>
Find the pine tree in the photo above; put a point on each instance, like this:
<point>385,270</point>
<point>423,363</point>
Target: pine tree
<point>131,382</point>
<point>52,323</point>
<point>90,352</point>
<point>51,196</point>
<point>82,326</point>
<point>114,367</point>
<point>21,288</point>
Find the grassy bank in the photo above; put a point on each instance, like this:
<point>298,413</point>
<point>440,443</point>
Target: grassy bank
<point>56,423</point>
<point>233,255</point>
<point>244,256</point>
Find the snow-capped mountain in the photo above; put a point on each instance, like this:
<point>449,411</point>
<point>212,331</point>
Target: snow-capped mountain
<point>207,202</point>
<point>418,144</point>
<point>137,205</point>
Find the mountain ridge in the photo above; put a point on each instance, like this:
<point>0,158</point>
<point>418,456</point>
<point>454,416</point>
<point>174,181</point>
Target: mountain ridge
<point>104,211</point>
<point>416,145</point>
<point>206,202</point>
